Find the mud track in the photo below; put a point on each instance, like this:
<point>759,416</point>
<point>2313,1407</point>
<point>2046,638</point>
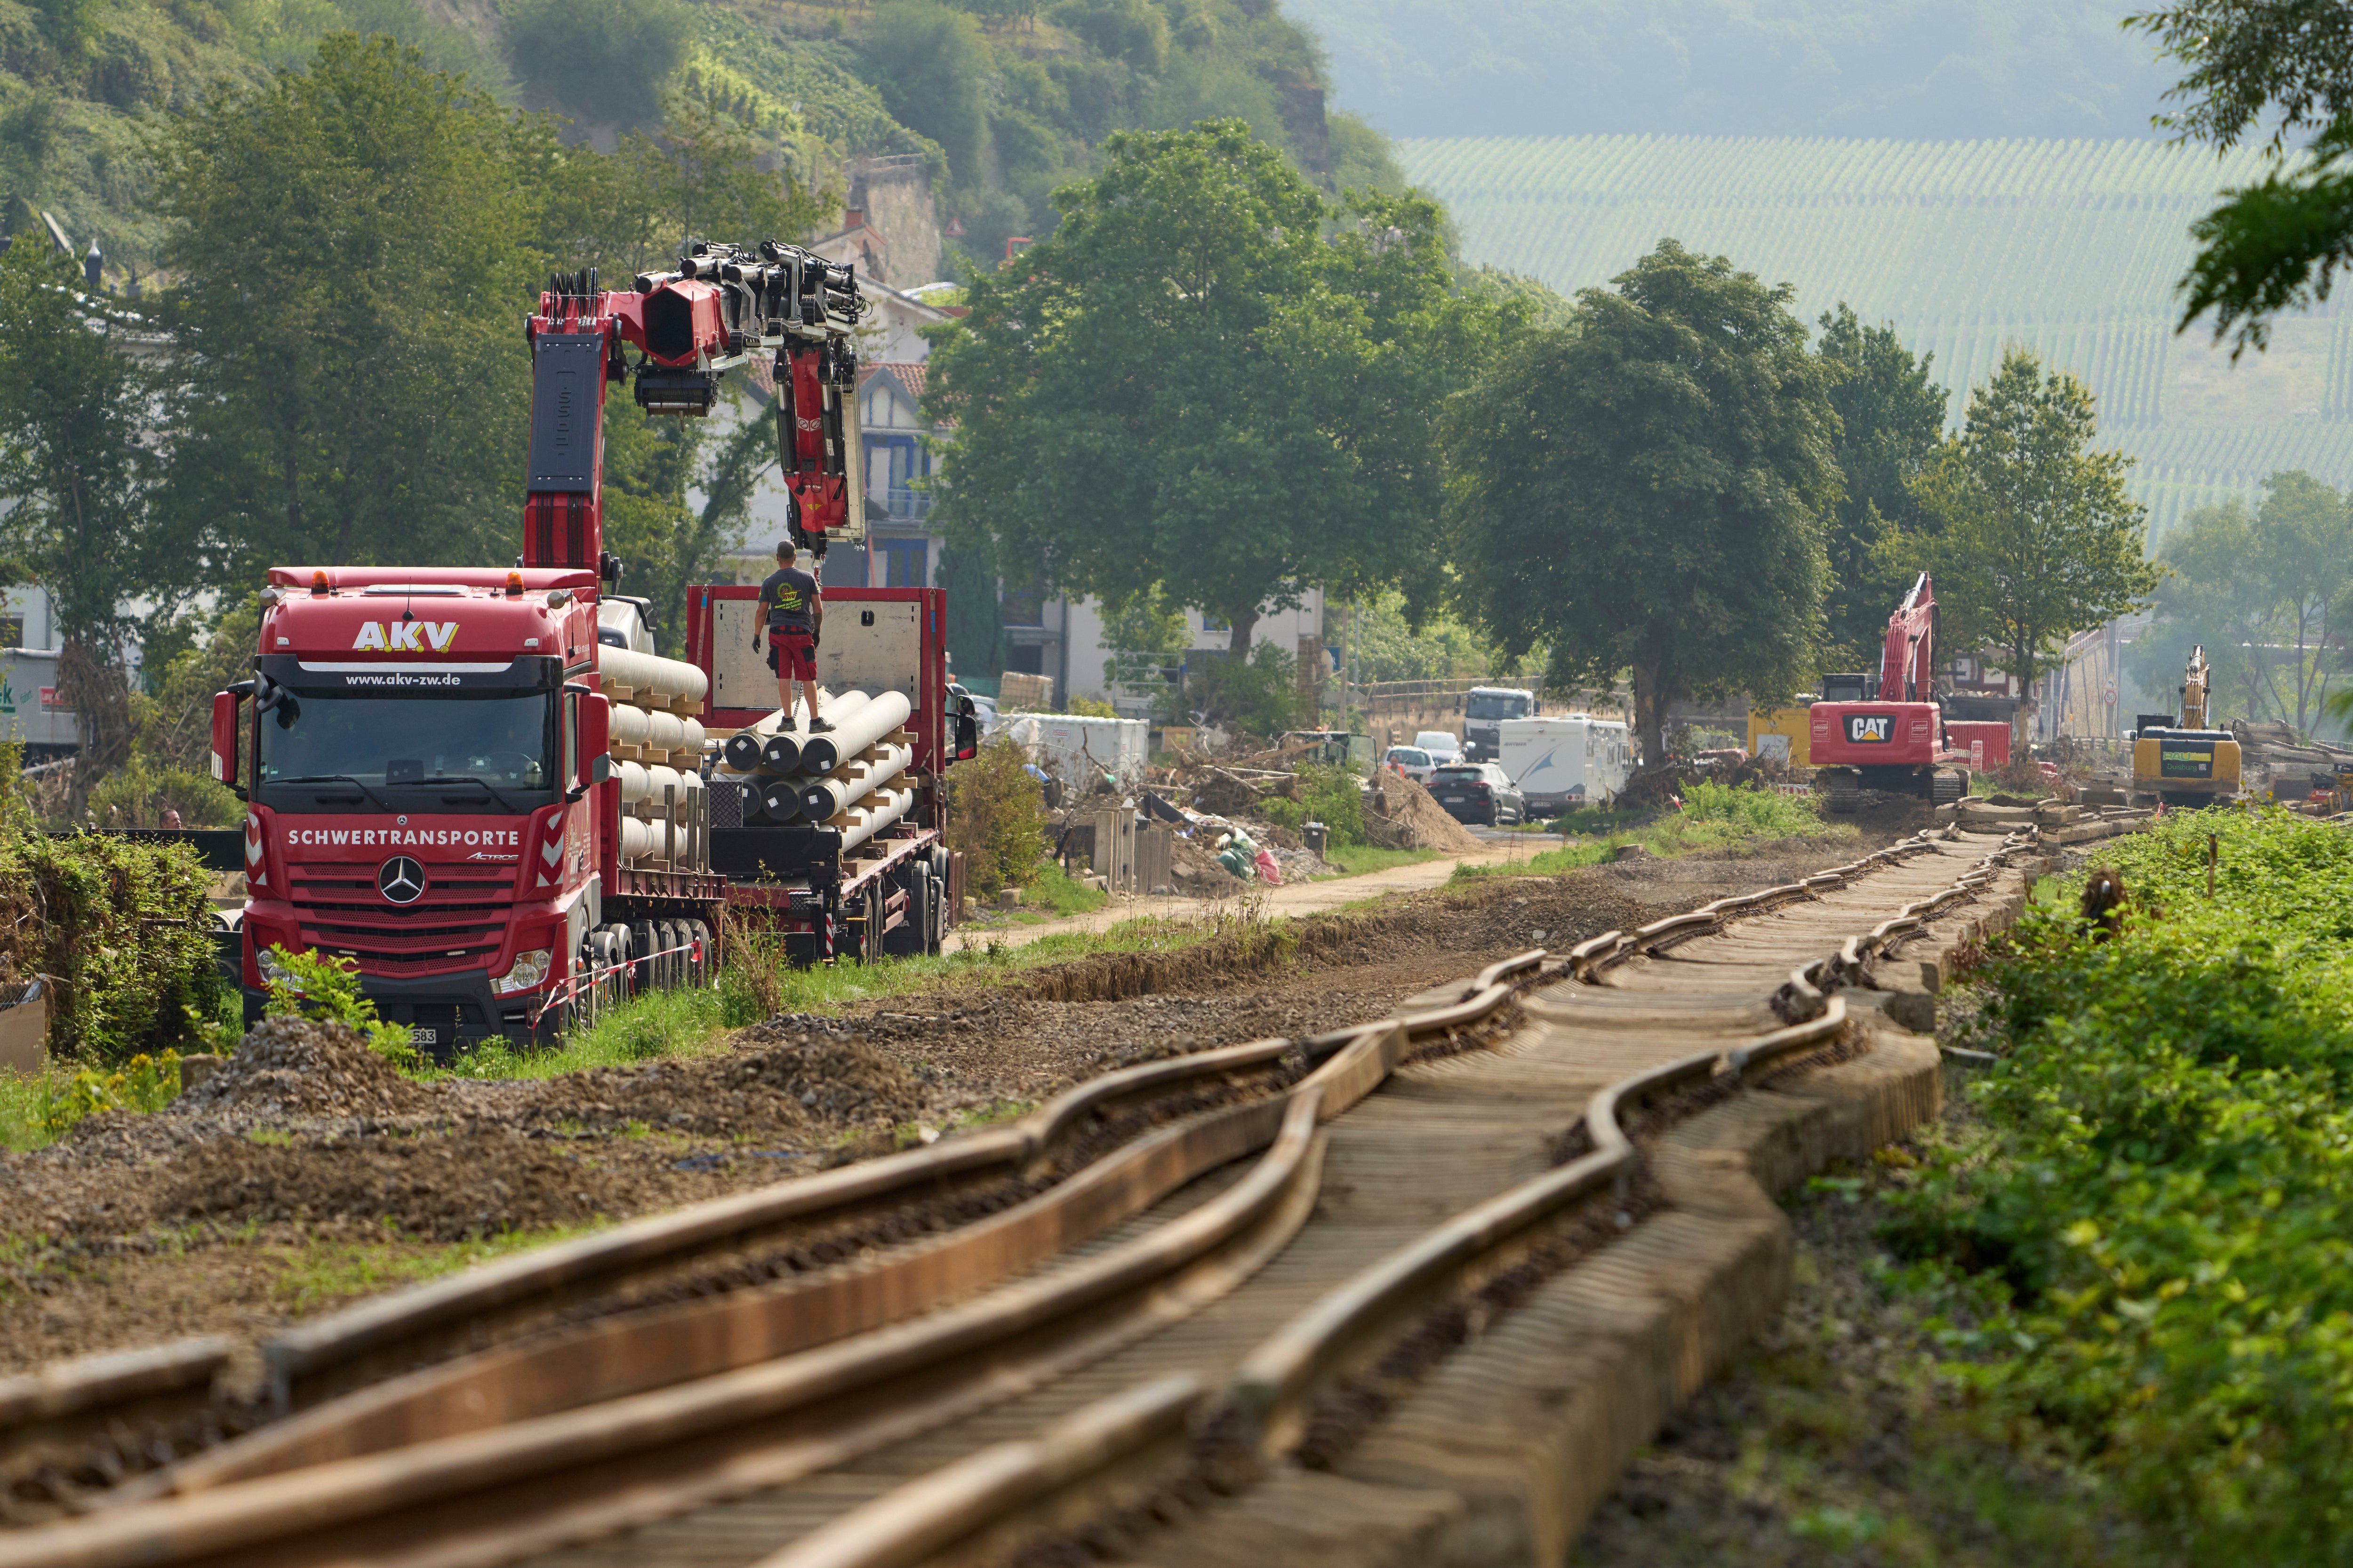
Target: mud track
<point>310,1174</point>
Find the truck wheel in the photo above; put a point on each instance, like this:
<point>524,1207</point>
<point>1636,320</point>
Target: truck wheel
<point>869,925</point>
<point>643,941</point>
<point>673,969</point>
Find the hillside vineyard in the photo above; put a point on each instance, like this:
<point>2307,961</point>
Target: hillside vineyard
<point>2071,247</point>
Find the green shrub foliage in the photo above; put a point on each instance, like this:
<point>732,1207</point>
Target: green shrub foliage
<point>123,929</point>
<point>2160,1211</point>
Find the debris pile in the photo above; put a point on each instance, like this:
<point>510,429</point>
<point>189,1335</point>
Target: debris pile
<point>2274,760</point>
<point>287,1069</point>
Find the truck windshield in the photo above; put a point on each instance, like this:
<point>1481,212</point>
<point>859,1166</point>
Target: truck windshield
<point>450,753</point>
<point>1494,707</point>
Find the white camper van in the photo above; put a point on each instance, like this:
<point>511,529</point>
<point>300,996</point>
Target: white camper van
<point>1569,761</point>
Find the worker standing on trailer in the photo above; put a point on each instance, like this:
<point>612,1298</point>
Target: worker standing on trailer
<point>793,613</point>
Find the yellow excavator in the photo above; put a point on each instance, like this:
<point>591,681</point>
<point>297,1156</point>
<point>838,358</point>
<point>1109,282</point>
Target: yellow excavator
<point>2183,763</point>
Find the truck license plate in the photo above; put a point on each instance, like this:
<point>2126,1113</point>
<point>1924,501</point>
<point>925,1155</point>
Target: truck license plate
<point>425,1037</point>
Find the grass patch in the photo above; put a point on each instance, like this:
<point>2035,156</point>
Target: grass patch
<point>1362,860</point>
<point>1049,888</point>
<point>322,1273</point>
<point>758,984</point>
<point>39,1108</point>
<point>1714,816</point>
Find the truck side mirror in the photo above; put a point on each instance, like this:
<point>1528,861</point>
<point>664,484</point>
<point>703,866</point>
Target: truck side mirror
<point>967,737</point>
<point>592,729</point>
<point>226,705</point>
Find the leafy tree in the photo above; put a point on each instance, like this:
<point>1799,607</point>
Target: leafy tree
<point>1891,421</point>
<point>2259,589</point>
<point>352,248</point>
<point>1644,489</point>
<point>2036,539</point>
<point>651,464</point>
<point>72,408</point>
<point>975,618</point>
<point>603,62</point>
<point>931,65</point>
<point>2275,245</point>
<point>1189,386</point>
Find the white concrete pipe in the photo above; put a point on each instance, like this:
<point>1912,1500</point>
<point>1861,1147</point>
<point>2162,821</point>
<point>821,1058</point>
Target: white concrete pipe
<point>665,732</point>
<point>642,784</point>
<point>695,738</point>
<point>649,837</point>
<point>653,680</point>
<point>633,782</point>
<point>871,815</point>
<point>823,753</point>
<point>780,753</point>
<point>862,775</point>
<point>630,726</point>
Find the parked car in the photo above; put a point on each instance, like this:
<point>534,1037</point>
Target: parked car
<point>1411,761</point>
<point>1477,792</point>
<point>1443,747</point>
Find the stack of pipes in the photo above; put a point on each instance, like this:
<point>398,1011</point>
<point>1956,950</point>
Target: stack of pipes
<point>845,779</point>
<point>657,751</point>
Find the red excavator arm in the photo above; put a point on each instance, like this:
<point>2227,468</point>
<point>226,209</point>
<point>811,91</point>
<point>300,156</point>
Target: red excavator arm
<point>1907,669</point>
<point>722,305</point>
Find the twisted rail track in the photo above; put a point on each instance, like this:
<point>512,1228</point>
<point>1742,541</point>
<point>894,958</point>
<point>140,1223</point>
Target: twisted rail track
<point>1155,1299</point>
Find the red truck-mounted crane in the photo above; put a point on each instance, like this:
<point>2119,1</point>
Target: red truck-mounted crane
<point>1887,734</point>
<point>487,789</point>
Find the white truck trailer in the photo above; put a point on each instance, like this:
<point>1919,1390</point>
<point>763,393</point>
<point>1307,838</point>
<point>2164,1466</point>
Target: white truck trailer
<point>1566,761</point>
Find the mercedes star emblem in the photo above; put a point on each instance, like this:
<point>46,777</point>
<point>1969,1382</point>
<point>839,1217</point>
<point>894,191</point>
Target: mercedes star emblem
<point>400,879</point>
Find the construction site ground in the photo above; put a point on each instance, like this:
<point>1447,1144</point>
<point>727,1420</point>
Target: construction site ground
<point>308,1172</point>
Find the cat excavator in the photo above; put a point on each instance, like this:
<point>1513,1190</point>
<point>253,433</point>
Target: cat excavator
<point>2180,762</point>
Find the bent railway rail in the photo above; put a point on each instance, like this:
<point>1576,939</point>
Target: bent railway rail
<point>1006,1329</point>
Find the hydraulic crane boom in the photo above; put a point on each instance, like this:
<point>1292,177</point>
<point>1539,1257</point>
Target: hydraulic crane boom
<point>1907,666</point>
<point>722,305</point>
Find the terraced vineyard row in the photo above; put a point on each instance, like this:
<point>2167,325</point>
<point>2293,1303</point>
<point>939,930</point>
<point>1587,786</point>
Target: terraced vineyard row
<point>2070,248</point>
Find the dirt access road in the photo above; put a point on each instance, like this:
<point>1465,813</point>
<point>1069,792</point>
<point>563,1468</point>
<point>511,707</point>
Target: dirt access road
<point>310,1174</point>
<point>1272,903</point>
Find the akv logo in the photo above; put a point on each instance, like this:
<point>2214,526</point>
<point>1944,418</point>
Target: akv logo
<point>403,637</point>
<point>1871,727</point>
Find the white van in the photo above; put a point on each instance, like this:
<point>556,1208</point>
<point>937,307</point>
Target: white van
<point>1567,761</point>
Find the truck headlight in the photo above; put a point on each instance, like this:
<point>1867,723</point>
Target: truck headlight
<point>266,963</point>
<point>530,971</point>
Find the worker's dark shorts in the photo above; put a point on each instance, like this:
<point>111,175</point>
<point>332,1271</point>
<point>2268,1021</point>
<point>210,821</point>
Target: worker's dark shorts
<point>792,655</point>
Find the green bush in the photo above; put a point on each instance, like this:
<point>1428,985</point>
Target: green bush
<point>997,818</point>
<point>313,984</point>
<point>1325,795</point>
<point>2157,1220</point>
<point>139,795</point>
<point>1259,698</point>
<point>1751,812</point>
<point>123,931</point>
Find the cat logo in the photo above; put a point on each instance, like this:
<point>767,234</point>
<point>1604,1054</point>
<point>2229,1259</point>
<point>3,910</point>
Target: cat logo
<point>405,636</point>
<point>1871,729</point>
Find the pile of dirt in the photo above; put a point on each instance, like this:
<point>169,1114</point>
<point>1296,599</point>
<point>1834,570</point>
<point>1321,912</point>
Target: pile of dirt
<point>287,1069</point>
<point>475,1184</point>
<point>827,1073</point>
<point>1402,815</point>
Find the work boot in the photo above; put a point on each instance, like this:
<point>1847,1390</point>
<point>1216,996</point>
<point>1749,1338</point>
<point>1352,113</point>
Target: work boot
<point>819,727</point>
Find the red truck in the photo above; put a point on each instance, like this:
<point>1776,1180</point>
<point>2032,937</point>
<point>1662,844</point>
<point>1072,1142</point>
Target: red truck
<point>485,788</point>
